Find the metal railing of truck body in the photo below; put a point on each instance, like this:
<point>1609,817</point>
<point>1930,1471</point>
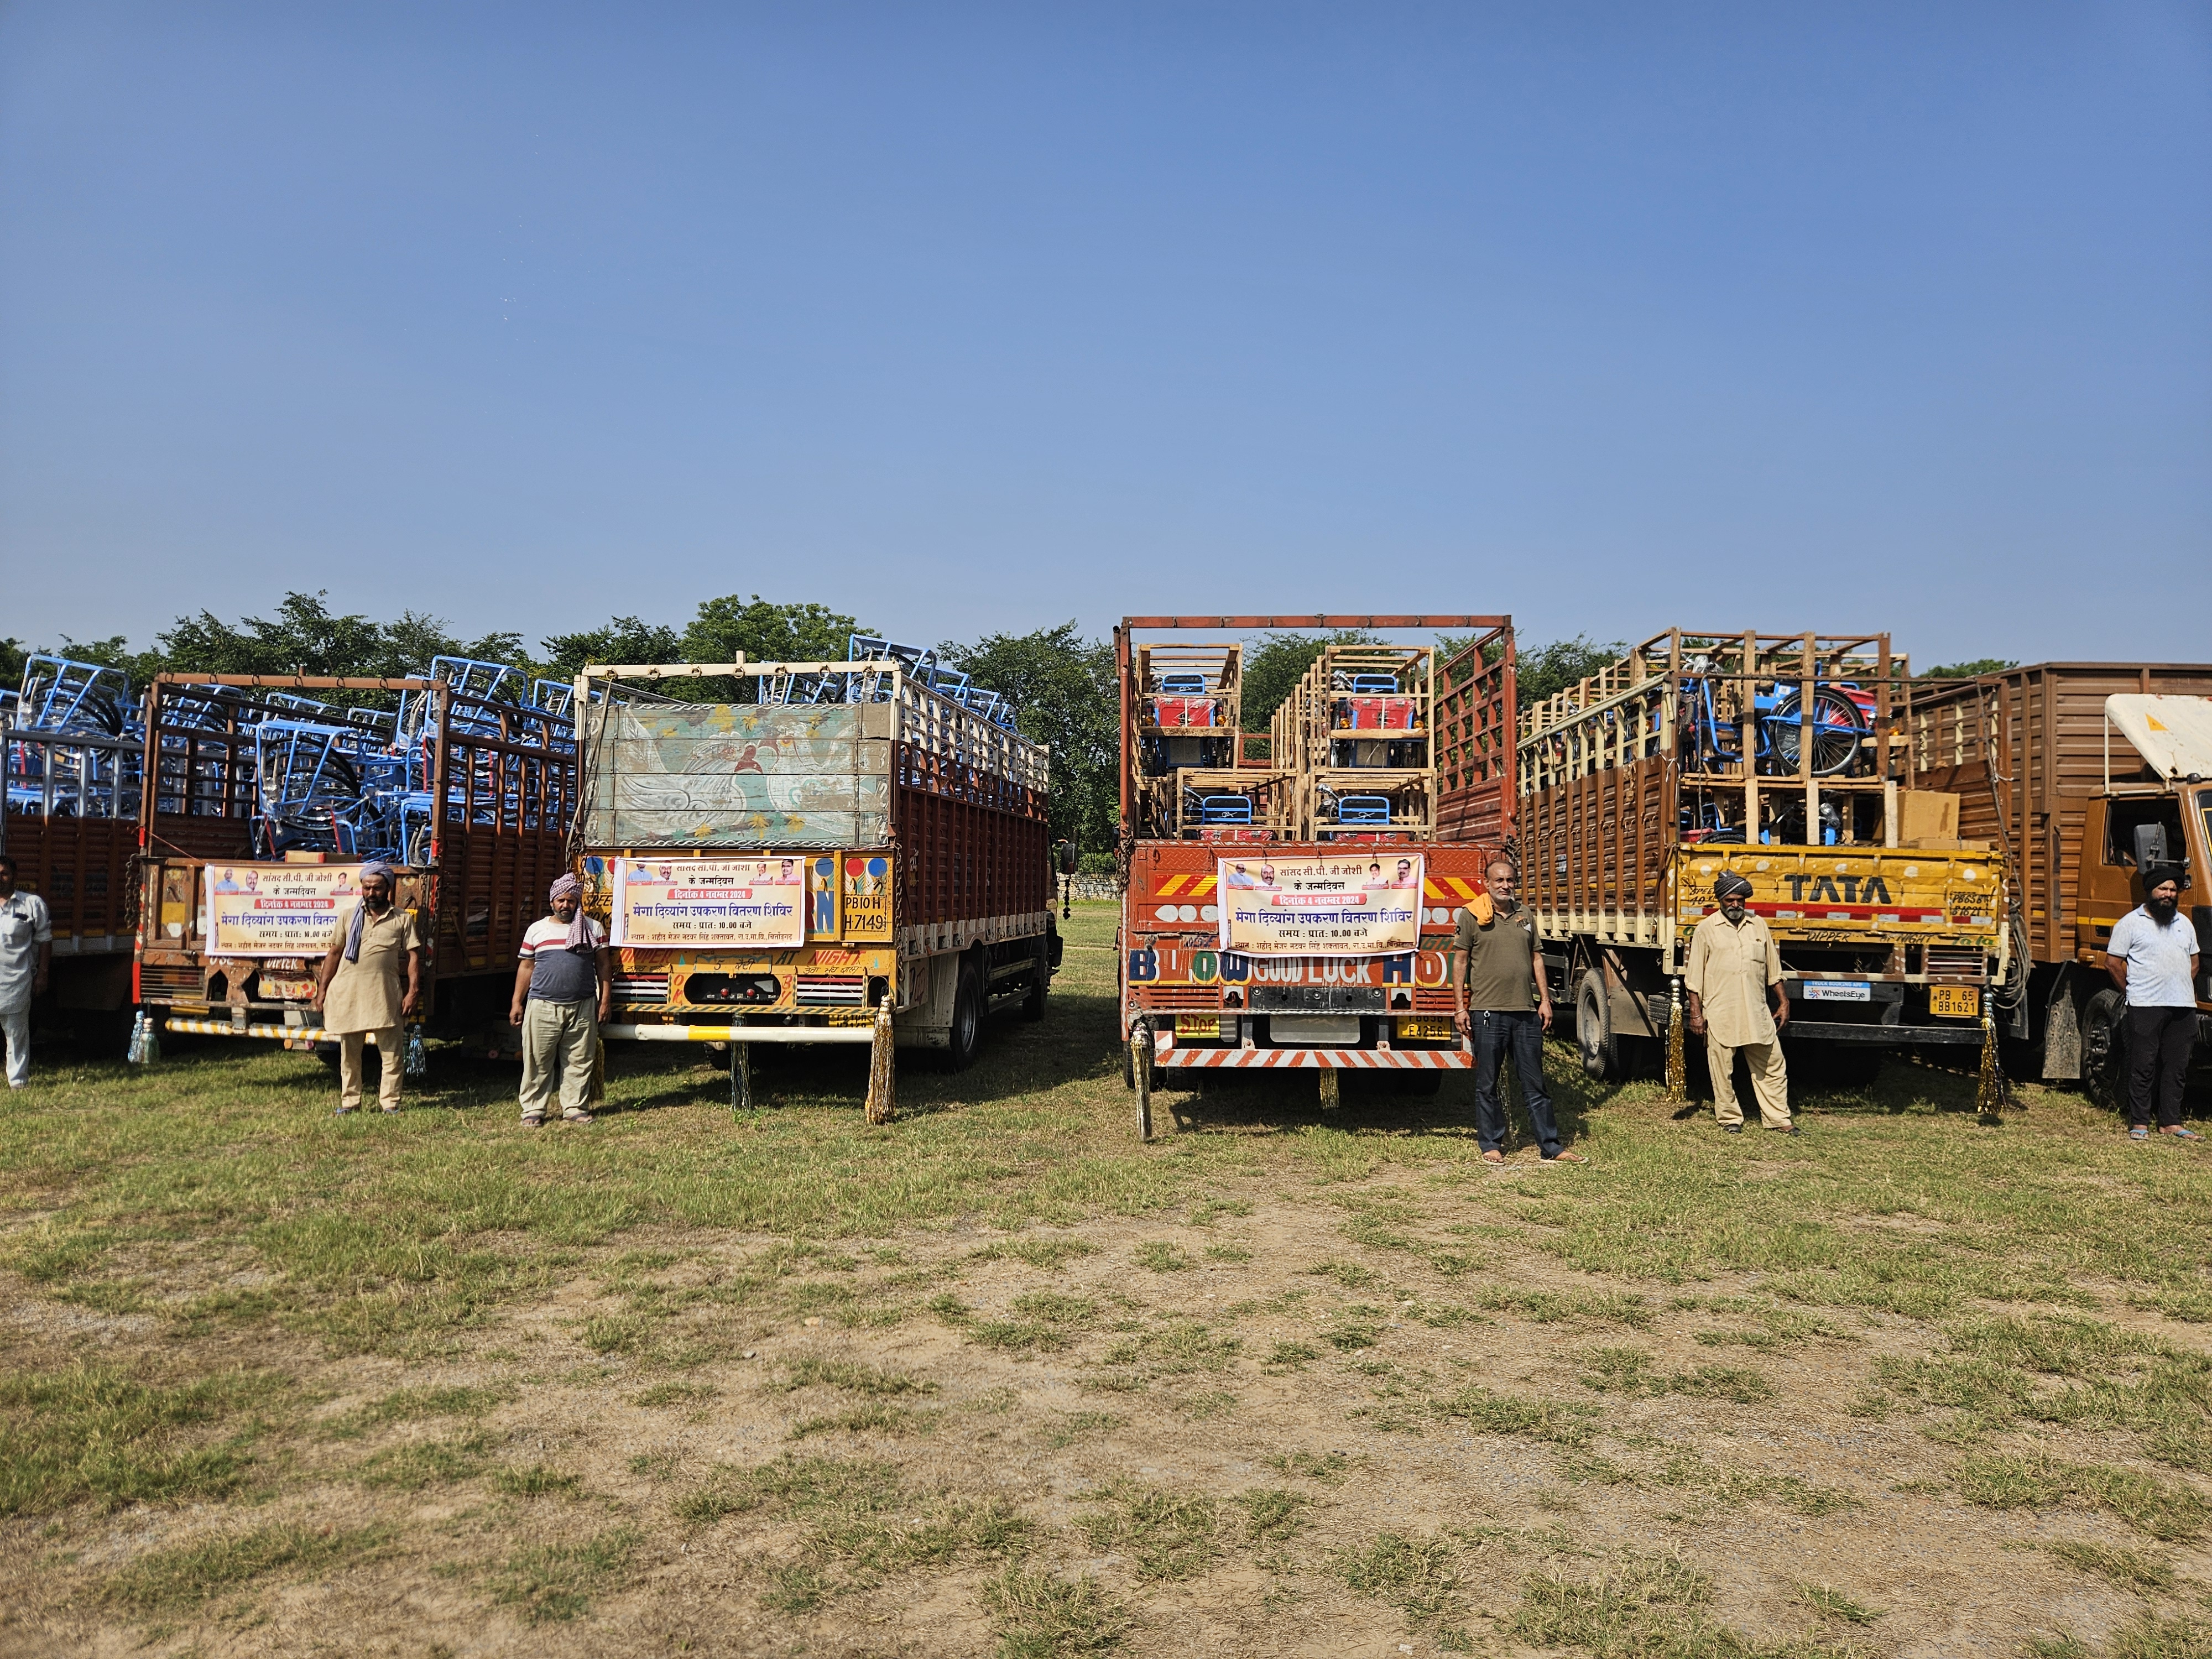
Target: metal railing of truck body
<point>69,774</point>
<point>1458,786</point>
<point>234,752</point>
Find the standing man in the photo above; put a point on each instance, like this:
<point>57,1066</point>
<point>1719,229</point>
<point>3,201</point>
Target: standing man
<point>2152,958</point>
<point>1733,965</point>
<point>1505,1004</point>
<point>562,994</point>
<point>26,954</point>
<point>359,987</point>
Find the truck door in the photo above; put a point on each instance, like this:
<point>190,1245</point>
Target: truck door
<point>2123,835</point>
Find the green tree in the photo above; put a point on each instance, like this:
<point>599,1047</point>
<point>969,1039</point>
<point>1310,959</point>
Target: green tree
<point>624,639</point>
<point>720,628</point>
<point>1553,668</point>
<point>12,657</point>
<point>1967,671</point>
<point>766,632</point>
<point>1066,694</point>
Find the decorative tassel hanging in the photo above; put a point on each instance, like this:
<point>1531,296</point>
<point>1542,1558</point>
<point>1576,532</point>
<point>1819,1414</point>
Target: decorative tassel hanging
<point>145,1044</point>
<point>882,1098</point>
<point>1990,1094</point>
<point>417,1064</point>
<point>1678,1067</point>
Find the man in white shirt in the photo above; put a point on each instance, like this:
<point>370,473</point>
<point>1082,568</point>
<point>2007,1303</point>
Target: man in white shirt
<point>26,954</point>
<point>2152,958</point>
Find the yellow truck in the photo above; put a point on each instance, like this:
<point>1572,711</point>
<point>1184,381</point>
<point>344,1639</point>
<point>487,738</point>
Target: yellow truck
<point>1778,758</point>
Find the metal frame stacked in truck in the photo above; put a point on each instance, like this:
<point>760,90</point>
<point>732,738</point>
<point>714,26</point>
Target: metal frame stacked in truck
<point>2039,770</point>
<point>1186,1003</point>
<point>922,821</point>
<point>499,786</point>
<point>1691,756</point>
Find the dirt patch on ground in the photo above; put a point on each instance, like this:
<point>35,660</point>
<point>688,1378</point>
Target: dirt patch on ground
<point>1377,1424</point>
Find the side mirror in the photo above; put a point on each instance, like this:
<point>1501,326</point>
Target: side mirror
<point>1068,857</point>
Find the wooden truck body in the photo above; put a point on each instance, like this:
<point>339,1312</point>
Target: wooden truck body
<point>2049,763</point>
<point>1381,757</point>
<point>911,830</point>
<point>71,825</point>
<point>1640,785</point>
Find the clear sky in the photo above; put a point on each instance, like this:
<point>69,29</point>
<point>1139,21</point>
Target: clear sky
<point>972,318</point>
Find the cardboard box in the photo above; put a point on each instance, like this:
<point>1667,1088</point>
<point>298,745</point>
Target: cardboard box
<point>1924,815</point>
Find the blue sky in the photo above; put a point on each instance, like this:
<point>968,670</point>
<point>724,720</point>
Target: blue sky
<point>977,318</point>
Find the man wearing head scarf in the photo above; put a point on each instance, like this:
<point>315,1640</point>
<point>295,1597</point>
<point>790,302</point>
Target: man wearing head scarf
<point>370,984</point>
<point>1733,965</point>
<point>2152,958</point>
<point>561,996</point>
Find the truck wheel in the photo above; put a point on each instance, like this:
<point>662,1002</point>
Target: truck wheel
<point>2104,1050</point>
<point>1594,1030</point>
<point>967,1034</point>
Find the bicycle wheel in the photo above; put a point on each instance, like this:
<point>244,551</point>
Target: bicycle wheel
<point>1838,729</point>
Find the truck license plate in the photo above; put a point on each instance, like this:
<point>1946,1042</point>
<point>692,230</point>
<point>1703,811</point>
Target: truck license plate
<point>1954,1001</point>
<point>1829,990</point>
<point>1425,1031</point>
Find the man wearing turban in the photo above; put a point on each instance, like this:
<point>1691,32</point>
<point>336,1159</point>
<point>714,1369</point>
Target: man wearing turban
<point>1733,965</point>
<point>371,983</point>
<point>2152,957</point>
<point>562,990</point>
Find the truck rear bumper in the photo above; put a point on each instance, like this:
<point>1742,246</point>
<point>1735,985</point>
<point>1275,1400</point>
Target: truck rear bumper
<point>1832,1030</point>
<point>740,1033</point>
<point>1291,1060</point>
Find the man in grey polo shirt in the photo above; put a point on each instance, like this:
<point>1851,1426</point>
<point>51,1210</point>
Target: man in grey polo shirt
<point>561,997</point>
<point>2152,958</point>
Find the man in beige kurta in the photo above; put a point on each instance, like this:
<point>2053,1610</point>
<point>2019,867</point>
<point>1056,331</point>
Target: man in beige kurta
<point>1733,965</point>
<point>370,983</point>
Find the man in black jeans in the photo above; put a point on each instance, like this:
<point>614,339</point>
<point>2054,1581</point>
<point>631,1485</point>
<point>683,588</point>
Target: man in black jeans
<point>1505,1003</point>
<point>2152,957</point>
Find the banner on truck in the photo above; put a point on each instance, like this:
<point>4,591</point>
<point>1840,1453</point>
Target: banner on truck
<point>1363,904</point>
<point>278,909</point>
<point>714,904</point>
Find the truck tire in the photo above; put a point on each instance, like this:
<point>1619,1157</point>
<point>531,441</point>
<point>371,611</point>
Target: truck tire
<point>2104,1050</point>
<point>966,1035</point>
<point>1593,1035</point>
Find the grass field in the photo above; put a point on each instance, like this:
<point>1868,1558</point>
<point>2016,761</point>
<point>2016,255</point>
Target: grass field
<point>993,1379</point>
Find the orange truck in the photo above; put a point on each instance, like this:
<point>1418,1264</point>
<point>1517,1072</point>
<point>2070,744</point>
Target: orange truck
<point>1289,899</point>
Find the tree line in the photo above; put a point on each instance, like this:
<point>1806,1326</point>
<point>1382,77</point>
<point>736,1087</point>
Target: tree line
<point>1062,686</point>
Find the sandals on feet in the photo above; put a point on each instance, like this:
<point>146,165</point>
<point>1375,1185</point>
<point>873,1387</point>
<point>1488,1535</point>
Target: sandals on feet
<point>2180,1133</point>
<point>1493,1158</point>
<point>1566,1157</point>
<point>2140,1131</point>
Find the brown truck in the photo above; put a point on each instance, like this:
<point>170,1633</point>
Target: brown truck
<point>2085,774</point>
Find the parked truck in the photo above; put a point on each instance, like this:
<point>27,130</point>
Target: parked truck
<point>71,748</point>
<point>1288,900</point>
<point>2086,773</point>
<point>840,852</point>
<point>260,801</point>
<point>1780,758</point>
